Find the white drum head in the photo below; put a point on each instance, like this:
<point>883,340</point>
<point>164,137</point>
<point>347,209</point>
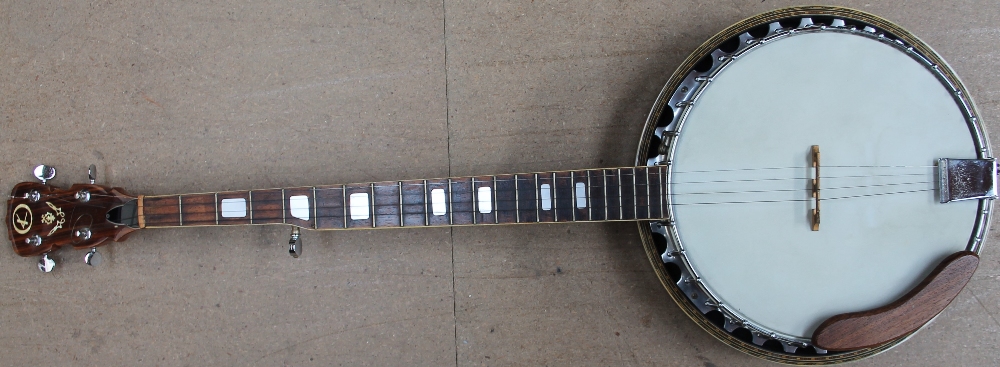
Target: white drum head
<point>740,179</point>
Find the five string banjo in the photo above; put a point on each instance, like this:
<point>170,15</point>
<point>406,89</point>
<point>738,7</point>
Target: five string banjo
<point>821,219</point>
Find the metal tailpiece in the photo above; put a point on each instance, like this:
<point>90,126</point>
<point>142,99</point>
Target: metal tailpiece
<point>967,179</point>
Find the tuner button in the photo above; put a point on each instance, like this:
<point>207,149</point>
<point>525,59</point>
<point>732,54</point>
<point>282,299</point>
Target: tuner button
<point>44,173</point>
<point>92,174</point>
<point>82,233</point>
<point>295,243</point>
<point>82,196</point>
<point>46,264</point>
<point>93,258</point>
<point>34,240</point>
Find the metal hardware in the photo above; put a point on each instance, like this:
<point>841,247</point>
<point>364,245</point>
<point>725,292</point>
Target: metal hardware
<point>34,240</point>
<point>33,195</point>
<point>295,243</point>
<point>967,179</point>
<point>82,233</point>
<point>815,188</point>
<point>44,173</point>
<point>93,258</point>
<point>46,264</point>
<point>92,174</point>
<point>82,195</point>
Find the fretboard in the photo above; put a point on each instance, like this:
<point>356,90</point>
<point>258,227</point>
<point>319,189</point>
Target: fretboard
<point>611,194</point>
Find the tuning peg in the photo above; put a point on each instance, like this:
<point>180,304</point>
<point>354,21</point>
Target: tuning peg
<point>93,258</point>
<point>92,174</point>
<point>46,264</point>
<point>45,173</point>
<point>295,243</point>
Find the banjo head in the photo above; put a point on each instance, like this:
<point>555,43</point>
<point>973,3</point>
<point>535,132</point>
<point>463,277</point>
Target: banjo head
<point>735,126</point>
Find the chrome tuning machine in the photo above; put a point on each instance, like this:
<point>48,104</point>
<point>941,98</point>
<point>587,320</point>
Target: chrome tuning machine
<point>93,258</point>
<point>46,264</point>
<point>44,173</point>
<point>295,243</point>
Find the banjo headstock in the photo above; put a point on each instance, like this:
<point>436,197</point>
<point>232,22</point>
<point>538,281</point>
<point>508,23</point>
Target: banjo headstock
<point>42,218</point>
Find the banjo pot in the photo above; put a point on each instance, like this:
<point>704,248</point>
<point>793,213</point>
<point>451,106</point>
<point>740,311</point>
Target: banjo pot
<point>740,127</point>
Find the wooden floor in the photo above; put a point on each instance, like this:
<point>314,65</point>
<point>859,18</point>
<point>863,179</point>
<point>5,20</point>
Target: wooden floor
<point>178,96</point>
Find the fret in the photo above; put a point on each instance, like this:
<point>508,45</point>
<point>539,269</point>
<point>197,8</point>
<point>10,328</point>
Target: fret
<point>315,209</point>
<point>546,201</point>
<point>626,186</point>
<point>216,203</point>
<point>517,202</point>
<point>664,194</point>
<point>344,197</point>
<point>267,206</point>
<point>400,190</point>
<point>371,202</point>
<point>330,207</point>
<point>496,216</point>
<point>451,207</point>
<point>359,210</point>
<point>505,198</point>
<point>572,187</point>
<point>563,204</point>
<point>462,200</point>
<point>654,193</point>
<point>612,195</point>
<point>475,203</point>
<point>581,201</point>
<point>426,213</point>
<point>233,207</point>
<point>527,198</point>
<point>555,212</point>
<point>386,204</point>
<point>484,197</point>
<point>414,202</point>
<point>538,207</point>
<point>284,208</point>
<point>250,204</point>
<point>298,207</point>
<point>598,202</point>
<point>180,215</point>
<point>437,205</point>
<point>161,211</point>
<point>590,206</point>
<point>641,177</point>
<point>198,209</point>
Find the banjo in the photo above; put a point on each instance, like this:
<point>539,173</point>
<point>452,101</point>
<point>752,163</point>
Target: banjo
<point>812,186</point>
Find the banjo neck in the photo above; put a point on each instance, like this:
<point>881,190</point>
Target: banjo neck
<point>607,194</point>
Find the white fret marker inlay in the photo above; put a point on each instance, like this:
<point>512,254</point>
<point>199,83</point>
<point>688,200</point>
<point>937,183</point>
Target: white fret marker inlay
<point>438,205</point>
<point>545,193</point>
<point>581,195</point>
<point>359,206</point>
<point>234,208</point>
<point>298,205</point>
<point>485,196</point>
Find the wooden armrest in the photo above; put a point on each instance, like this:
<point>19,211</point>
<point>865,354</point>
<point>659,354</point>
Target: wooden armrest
<point>874,327</point>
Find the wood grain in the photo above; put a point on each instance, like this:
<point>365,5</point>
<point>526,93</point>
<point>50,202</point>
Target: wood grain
<point>865,329</point>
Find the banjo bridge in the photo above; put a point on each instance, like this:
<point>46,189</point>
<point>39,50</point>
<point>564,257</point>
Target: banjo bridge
<point>815,187</point>
<point>966,179</point>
